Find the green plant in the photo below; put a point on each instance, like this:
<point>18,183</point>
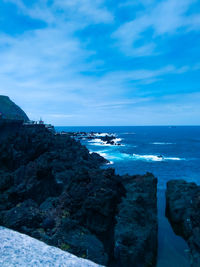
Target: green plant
<point>65,246</point>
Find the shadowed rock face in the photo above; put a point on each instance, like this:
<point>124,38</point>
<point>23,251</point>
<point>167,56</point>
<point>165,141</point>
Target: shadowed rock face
<point>53,189</point>
<point>9,110</point>
<point>183,211</point>
<point>136,228</point>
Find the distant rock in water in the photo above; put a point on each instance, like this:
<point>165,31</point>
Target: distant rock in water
<point>9,110</point>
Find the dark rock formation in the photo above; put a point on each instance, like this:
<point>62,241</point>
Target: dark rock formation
<point>9,110</point>
<point>183,211</point>
<point>108,139</point>
<point>136,228</point>
<point>53,189</point>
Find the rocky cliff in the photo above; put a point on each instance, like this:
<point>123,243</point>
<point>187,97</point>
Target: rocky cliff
<point>53,189</point>
<point>9,110</point>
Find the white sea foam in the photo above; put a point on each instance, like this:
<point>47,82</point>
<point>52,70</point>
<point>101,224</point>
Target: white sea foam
<point>103,154</point>
<point>106,156</point>
<point>99,142</point>
<point>161,143</point>
<point>168,158</point>
<point>96,140</point>
<point>110,163</point>
<point>117,140</point>
<point>154,158</point>
<point>118,156</point>
<point>147,157</point>
<point>103,134</point>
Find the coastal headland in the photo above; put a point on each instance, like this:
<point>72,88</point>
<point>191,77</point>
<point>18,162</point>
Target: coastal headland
<point>54,189</point>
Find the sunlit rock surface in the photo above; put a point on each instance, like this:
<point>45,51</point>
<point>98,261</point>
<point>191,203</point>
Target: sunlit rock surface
<point>21,250</point>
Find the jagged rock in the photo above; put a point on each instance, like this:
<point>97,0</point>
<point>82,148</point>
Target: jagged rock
<point>79,240</point>
<point>136,228</point>
<point>98,158</point>
<point>183,211</point>
<point>24,214</point>
<point>6,181</point>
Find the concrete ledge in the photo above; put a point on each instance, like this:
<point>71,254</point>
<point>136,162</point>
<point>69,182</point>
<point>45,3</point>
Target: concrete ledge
<point>20,250</point>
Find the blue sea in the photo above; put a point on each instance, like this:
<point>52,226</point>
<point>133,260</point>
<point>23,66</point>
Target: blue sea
<point>167,152</point>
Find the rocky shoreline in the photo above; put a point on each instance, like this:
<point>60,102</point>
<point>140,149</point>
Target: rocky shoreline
<point>102,138</point>
<point>53,189</point>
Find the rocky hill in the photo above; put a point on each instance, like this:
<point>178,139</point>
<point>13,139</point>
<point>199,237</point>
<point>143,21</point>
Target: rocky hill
<point>9,110</point>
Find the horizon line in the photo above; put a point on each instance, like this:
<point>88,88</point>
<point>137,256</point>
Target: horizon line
<point>170,125</point>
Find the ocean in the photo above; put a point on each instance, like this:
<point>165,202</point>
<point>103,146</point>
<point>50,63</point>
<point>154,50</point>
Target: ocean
<point>167,152</point>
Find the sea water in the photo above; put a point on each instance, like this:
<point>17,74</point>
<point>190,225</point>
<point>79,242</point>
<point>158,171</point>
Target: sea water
<point>167,152</point>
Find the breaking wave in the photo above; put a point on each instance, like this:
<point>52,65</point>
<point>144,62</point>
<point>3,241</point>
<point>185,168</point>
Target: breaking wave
<point>154,158</point>
<point>117,156</point>
<point>99,142</point>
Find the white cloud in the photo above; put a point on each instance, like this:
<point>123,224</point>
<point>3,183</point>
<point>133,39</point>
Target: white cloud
<point>42,70</point>
<point>140,75</point>
<point>81,12</point>
<point>166,17</point>
<point>90,10</point>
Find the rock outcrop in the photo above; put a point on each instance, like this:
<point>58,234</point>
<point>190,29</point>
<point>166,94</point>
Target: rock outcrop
<point>9,110</point>
<point>136,228</point>
<point>183,211</point>
<point>53,189</point>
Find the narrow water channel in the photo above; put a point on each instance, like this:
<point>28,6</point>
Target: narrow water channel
<point>172,249</point>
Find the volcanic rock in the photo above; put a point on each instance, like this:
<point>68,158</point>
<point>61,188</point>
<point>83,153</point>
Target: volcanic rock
<point>136,228</point>
<point>183,211</point>
<point>53,189</point>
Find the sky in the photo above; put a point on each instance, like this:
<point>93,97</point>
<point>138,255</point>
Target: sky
<point>96,62</point>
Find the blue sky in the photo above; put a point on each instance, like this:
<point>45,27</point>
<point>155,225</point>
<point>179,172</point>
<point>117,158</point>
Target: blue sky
<point>96,62</point>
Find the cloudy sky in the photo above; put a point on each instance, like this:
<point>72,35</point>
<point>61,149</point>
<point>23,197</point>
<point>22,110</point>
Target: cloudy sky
<point>96,62</point>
